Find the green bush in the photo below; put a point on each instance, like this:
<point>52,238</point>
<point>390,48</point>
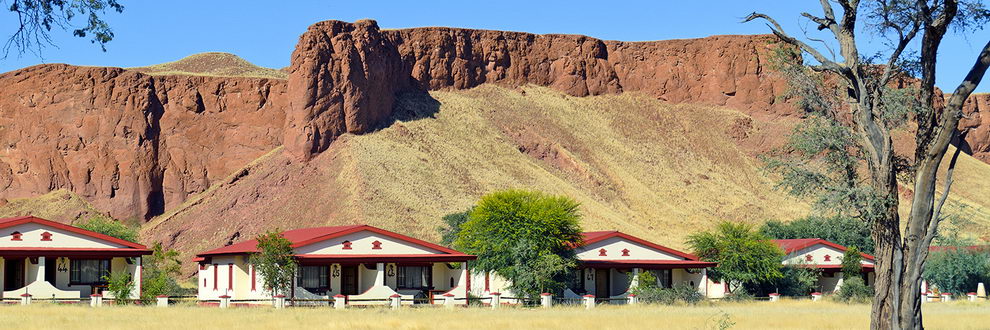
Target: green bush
<point>110,227</point>
<point>160,270</point>
<point>738,295</point>
<point>121,285</point>
<point>680,293</point>
<point>854,290</point>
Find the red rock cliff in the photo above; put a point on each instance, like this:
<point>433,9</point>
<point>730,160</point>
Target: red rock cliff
<point>344,76</point>
<point>130,143</point>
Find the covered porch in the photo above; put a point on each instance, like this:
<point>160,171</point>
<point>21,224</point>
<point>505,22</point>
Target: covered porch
<point>615,280</point>
<point>63,275</point>
<point>371,281</point>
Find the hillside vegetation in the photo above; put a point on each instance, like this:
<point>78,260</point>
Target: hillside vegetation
<point>212,64</point>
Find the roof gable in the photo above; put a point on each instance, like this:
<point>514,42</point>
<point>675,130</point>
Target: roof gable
<point>306,240</point>
<point>40,227</point>
<point>793,245</point>
<point>599,236</point>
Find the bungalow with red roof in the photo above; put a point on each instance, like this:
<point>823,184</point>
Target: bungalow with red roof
<point>364,263</point>
<point>47,259</point>
<point>610,263</point>
<point>825,256</point>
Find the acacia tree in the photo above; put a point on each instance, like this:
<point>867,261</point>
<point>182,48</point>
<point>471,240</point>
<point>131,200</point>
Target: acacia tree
<point>528,237</point>
<point>37,18</point>
<point>863,88</point>
<point>744,256</point>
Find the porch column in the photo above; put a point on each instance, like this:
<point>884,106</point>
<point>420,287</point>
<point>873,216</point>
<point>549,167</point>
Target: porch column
<point>137,277</point>
<point>635,279</point>
<point>380,275</point>
<point>40,275</point>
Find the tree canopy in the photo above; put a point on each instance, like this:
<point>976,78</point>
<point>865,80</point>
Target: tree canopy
<point>275,261</point>
<point>525,236</point>
<point>744,256</point>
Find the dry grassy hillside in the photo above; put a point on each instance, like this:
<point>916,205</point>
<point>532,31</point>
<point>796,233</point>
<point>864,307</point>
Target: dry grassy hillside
<point>642,166</point>
<point>212,64</point>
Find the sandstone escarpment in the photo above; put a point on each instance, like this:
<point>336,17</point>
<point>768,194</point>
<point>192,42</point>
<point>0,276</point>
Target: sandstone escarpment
<point>129,143</point>
<point>976,123</point>
<point>344,76</point>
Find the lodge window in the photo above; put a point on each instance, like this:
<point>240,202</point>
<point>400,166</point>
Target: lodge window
<point>313,279</point>
<point>664,278</point>
<point>415,277</point>
<point>88,271</point>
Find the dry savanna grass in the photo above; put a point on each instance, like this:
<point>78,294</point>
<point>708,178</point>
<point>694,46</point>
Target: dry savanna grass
<point>212,64</point>
<point>787,314</point>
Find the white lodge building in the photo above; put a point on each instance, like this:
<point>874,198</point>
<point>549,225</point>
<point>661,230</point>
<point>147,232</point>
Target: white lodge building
<point>825,256</point>
<point>364,263</point>
<point>47,259</point>
<point>609,264</point>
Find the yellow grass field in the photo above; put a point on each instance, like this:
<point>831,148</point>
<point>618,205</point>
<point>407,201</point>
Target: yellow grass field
<point>752,315</point>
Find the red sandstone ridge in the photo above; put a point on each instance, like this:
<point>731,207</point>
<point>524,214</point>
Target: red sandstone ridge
<point>130,143</point>
<point>344,76</point>
<point>977,124</point>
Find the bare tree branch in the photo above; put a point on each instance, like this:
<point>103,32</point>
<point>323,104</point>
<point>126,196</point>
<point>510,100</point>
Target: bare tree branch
<point>779,32</point>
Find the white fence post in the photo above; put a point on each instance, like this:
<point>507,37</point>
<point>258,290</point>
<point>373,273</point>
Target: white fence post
<point>26,299</point>
<point>224,301</point>
<point>339,301</point>
<point>96,300</point>
<point>396,301</point>
<point>815,296</point>
<point>546,299</point>
<point>589,301</point>
<point>971,296</point>
<point>774,297</point>
<point>496,300</point>
<point>946,297</point>
<point>448,300</point>
<point>633,299</point>
<point>279,301</point>
<point>162,300</point>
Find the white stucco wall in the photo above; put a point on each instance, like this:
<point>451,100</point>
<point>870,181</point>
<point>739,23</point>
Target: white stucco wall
<point>362,243</point>
<point>613,251</point>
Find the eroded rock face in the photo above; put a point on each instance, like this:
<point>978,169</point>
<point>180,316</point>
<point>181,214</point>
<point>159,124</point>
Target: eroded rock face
<point>344,76</point>
<point>129,143</point>
<point>977,122</point>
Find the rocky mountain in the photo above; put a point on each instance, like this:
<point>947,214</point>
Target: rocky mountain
<point>396,128</point>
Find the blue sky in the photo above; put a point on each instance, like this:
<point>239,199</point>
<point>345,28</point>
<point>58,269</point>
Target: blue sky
<point>265,32</point>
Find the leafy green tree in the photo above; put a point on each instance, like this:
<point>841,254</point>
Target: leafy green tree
<point>121,285</point>
<point>37,18</point>
<point>795,280</point>
<point>110,227</point>
<point>275,261</point>
<point>452,226</point>
<point>159,272</point>
<point>852,263</point>
<point>744,255</point>
<point>525,236</point>
<point>844,230</point>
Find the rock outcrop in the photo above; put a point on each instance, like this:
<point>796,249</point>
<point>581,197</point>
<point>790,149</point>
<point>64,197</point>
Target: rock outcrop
<point>977,124</point>
<point>129,143</point>
<point>344,76</point>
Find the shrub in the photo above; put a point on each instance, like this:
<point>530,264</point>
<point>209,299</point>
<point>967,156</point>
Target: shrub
<point>680,293</point>
<point>852,263</point>
<point>110,227</point>
<point>159,273</point>
<point>796,281</point>
<point>739,295</point>
<point>854,290</point>
<point>121,285</point>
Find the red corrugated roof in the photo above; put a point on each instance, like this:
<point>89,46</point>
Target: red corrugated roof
<point>791,245</point>
<point>306,236</point>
